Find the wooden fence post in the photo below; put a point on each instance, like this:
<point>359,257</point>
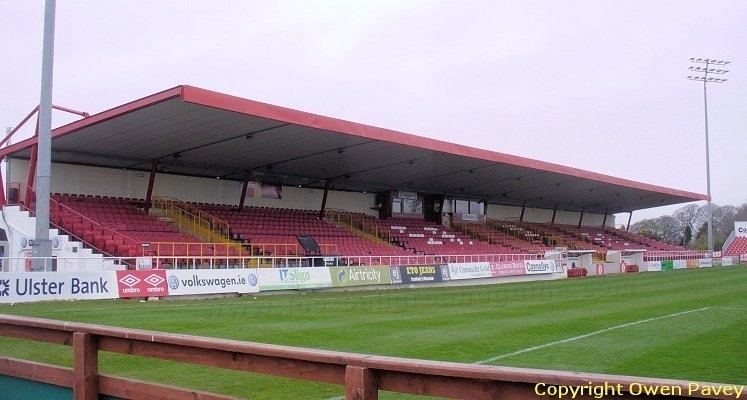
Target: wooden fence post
<point>85,366</point>
<point>360,384</point>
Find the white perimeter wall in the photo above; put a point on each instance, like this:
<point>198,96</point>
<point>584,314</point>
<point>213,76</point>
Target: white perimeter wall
<point>544,215</point>
<point>79,179</point>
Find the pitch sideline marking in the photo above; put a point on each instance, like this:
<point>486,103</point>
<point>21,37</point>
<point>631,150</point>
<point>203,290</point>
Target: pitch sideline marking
<point>571,339</point>
<point>528,349</point>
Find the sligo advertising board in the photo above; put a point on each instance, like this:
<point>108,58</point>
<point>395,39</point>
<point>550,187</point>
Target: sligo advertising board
<point>294,278</point>
<point>39,286</point>
<point>207,281</point>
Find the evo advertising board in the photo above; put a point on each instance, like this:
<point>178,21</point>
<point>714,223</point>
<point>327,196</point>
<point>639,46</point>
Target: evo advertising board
<point>541,267</point>
<point>472,270</point>
<point>421,273</point>
<point>209,281</point>
<point>680,264</point>
<point>359,276</point>
<point>17,287</point>
<point>294,278</point>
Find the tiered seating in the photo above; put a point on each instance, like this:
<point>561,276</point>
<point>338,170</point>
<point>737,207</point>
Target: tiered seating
<point>650,244</point>
<point>118,226</point>
<point>599,239</point>
<point>509,235</point>
<point>603,239</point>
<point>737,247</point>
<point>276,226</point>
<point>568,238</point>
<point>430,238</point>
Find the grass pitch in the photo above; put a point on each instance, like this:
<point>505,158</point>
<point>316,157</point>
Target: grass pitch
<point>612,324</point>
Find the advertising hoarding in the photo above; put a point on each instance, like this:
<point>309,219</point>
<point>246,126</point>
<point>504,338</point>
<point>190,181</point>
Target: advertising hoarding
<point>359,276</point>
<point>209,281</point>
<point>294,278</point>
<point>17,287</point>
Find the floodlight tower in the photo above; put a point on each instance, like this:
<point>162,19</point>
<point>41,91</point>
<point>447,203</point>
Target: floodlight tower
<point>704,67</point>
<point>42,246</point>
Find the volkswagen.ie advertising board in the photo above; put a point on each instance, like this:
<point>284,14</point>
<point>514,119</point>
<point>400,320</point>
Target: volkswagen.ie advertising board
<point>209,281</point>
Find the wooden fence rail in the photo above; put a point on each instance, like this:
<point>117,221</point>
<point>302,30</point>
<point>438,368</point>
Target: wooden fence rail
<point>362,375</point>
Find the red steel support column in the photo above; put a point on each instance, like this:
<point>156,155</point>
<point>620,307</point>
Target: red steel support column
<point>604,221</point>
<point>32,175</point>
<point>151,180</point>
<point>85,366</point>
<point>247,177</point>
<point>521,217</point>
<point>324,199</point>
<point>2,186</point>
<point>554,212</point>
<point>360,384</point>
<point>627,228</point>
<point>580,219</point>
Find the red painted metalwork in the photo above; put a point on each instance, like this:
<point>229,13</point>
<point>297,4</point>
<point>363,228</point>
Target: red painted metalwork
<point>2,187</point>
<point>34,111</point>
<point>31,176</point>
<point>630,216</point>
<point>232,103</point>
<point>151,181</point>
<point>554,212</point>
<point>247,177</point>
<point>17,127</point>
<point>71,111</point>
<point>98,118</point>
<point>213,99</point>
<point>324,199</point>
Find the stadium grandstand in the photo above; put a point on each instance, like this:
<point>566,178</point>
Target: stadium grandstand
<point>189,172</point>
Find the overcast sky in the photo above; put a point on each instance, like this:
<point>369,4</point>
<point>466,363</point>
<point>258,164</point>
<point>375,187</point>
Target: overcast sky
<point>598,85</point>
